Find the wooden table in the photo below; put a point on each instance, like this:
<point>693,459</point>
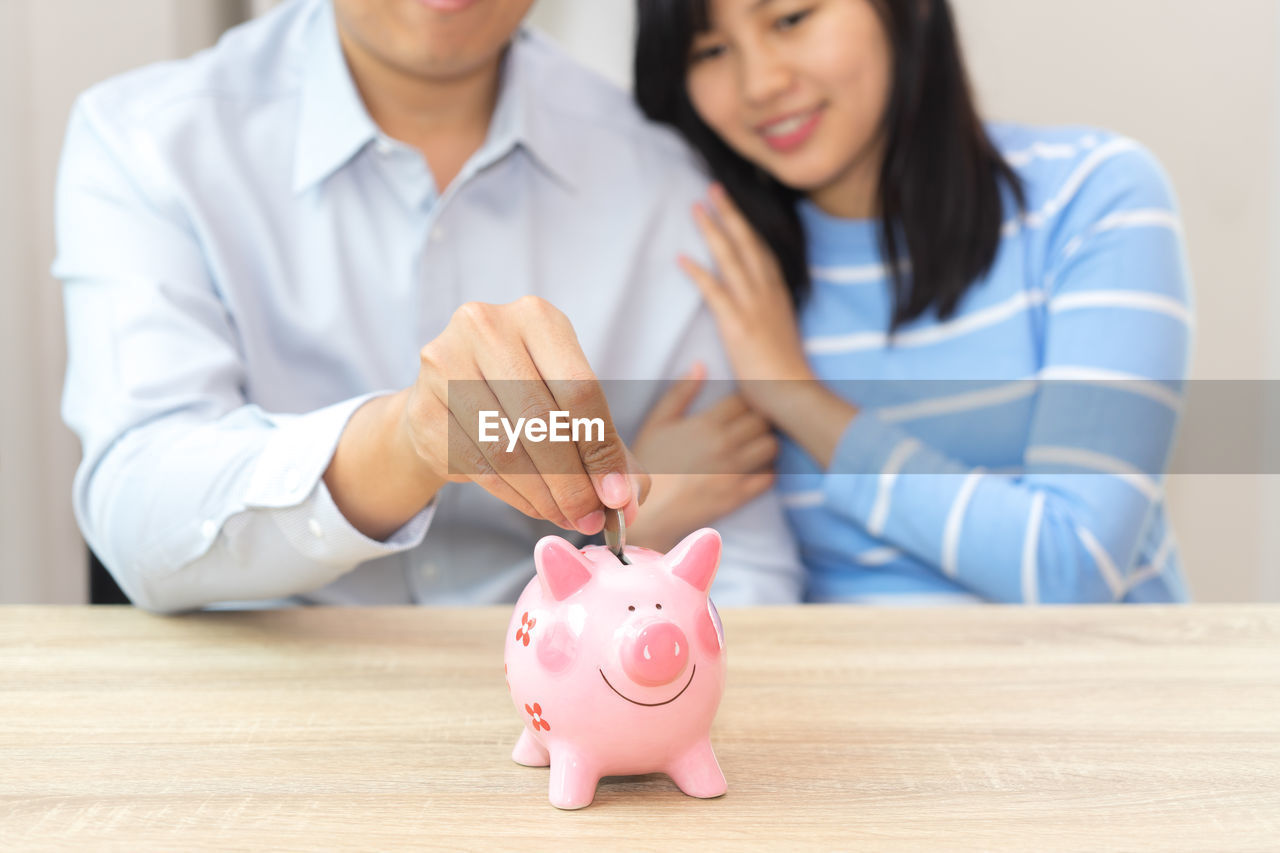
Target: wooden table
<point>977,728</point>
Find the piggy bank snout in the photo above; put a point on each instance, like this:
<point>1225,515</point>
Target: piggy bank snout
<point>655,654</point>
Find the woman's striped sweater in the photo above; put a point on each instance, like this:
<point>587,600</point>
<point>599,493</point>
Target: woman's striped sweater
<point>1014,452</point>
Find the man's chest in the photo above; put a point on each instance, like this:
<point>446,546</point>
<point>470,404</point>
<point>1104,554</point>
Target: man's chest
<point>334,293</point>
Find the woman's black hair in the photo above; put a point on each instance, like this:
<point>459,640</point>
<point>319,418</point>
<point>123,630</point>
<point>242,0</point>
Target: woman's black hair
<point>940,183</point>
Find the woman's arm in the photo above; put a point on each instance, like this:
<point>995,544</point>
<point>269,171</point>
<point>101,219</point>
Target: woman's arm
<point>1067,527</point>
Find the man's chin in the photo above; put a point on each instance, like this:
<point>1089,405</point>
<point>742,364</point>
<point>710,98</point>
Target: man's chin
<point>449,66</point>
<point>447,7</point>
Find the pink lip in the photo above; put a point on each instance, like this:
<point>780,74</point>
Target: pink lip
<point>795,138</point>
<point>447,5</point>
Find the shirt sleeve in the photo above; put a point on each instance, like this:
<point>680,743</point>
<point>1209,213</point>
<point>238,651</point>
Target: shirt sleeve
<point>187,492</point>
<point>1066,526</point>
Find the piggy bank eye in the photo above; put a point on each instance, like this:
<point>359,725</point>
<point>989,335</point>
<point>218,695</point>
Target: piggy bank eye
<point>659,606</point>
<point>631,607</point>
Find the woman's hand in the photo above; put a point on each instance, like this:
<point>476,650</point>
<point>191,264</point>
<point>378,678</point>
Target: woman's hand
<point>749,299</point>
<point>757,323</point>
<point>703,466</point>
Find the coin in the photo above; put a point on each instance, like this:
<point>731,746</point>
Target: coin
<point>615,534</point>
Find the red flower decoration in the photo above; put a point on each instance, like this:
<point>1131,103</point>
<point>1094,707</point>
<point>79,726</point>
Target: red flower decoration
<point>538,722</point>
<point>526,627</point>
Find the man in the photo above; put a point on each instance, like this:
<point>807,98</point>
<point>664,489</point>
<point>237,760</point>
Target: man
<point>278,255</point>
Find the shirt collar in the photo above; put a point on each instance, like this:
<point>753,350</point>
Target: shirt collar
<point>522,117</point>
<point>334,124</point>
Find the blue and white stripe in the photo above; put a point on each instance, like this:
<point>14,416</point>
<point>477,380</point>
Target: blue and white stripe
<point>1030,468</point>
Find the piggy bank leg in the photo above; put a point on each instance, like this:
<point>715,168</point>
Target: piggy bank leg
<point>697,772</point>
<point>529,752</point>
<point>573,781</point>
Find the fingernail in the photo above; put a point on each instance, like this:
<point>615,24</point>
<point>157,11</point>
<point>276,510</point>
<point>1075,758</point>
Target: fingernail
<point>615,489</point>
<point>591,523</point>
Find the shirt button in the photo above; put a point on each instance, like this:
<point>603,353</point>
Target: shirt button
<point>437,234</point>
<point>429,570</point>
<point>209,529</point>
<point>316,529</point>
<point>383,147</point>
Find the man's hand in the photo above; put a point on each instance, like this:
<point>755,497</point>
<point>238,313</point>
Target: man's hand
<point>521,360</point>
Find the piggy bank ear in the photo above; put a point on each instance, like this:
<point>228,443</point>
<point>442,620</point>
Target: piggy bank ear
<point>696,559</point>
<point>561,566</point>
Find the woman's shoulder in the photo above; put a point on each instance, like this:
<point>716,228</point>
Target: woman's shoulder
<point>1076,175</point>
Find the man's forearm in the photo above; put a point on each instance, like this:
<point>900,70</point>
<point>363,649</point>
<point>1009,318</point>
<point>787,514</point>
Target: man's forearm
<point>376,478</point>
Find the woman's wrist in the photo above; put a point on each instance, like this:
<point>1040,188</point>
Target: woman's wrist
<point>812,416</point>
<point>776,391</point>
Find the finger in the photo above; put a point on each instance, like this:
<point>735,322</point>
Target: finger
<point>522,393</point>
<point>466,460</point>
<point>467,398</point>
<point>752,252</point>
<point>733,273</point>
<point>740,489</point>
<point>712,289</point>
<point>745,428</point>
<point>553,346</point>
<point>592,521</point>
<point>677,399</point>
<point>757,484</point>
<point>728,410</point>
<point>641,483</point>
<point>757,453</point>
<point>500,489</point>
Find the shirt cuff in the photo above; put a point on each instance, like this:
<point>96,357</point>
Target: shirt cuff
<point>289,478</point>
<point>320,532</point>
<point>865,452</point>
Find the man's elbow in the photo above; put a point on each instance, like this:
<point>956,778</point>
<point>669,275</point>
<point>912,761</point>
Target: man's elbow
<point>122,549</point>
<point>151,593</point>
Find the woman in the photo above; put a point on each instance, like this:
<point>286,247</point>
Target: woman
<point>858,188</point>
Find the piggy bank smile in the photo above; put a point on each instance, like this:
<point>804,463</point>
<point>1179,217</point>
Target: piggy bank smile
<point>651,704</point>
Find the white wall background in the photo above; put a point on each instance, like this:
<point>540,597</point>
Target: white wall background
<point>1199,84</point>
<point>50,50</point>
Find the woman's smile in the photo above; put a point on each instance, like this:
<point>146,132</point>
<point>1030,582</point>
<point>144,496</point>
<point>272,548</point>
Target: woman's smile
<point>789,132</point>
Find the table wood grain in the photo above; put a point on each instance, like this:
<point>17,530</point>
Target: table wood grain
<point>1134,728</point>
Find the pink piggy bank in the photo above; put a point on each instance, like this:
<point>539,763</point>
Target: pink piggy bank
<point>618,670</point>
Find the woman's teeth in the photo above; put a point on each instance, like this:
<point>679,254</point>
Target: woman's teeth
<point>789,125</point>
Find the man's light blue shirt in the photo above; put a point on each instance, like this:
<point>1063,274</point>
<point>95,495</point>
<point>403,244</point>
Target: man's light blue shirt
<point>247,258</point>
